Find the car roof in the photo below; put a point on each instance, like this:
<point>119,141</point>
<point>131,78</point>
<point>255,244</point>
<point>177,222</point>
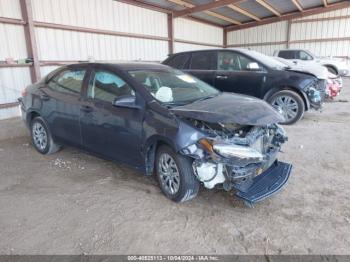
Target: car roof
<point>291,49</point>
<point>126,66</point>
<point>216,49</point>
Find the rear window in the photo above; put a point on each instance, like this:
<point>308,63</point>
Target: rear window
<point>68,81</point>
<point>286,54</point>
<point>203,61</point>
<point>179,61</point>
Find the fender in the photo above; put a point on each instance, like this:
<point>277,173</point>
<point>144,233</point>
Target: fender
<point>302,94</point>
<point>149,150</point>
<point>332,66</point>
<point>29,115</point>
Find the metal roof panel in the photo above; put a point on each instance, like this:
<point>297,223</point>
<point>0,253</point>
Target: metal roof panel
<point>228,12</point>
<point>310,3</point>
<point>210,19</point>
<point>255,8</point>
<point>284,6</point>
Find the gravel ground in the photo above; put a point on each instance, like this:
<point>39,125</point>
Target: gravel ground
<point>74,203</point>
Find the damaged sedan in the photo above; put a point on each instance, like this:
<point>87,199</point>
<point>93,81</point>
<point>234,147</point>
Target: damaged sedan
<point>163,122</point>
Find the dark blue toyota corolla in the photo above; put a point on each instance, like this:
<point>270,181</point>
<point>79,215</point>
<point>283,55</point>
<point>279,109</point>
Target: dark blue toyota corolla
<point>160,121</point>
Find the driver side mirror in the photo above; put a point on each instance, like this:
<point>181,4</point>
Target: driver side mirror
<point>253,66</point>
<point>127,101</point>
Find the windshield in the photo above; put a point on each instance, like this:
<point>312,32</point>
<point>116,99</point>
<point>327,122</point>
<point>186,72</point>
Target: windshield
<point>264,59</point>
<point>173,86</point>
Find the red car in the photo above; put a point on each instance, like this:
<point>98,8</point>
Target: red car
<point>333,86</point>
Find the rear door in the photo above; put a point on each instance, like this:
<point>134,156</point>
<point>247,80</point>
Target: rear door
<point>61,100</point>
<point>179,61</point>
<point>203,65</point>
<point>239,73</point>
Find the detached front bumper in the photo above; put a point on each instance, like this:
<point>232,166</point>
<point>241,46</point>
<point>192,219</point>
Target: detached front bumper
<point>266,184</point>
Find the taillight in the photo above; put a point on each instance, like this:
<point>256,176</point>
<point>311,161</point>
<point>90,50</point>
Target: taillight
<point>24,92</point>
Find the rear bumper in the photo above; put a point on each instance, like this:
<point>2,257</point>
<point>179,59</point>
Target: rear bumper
<point>266,184</point>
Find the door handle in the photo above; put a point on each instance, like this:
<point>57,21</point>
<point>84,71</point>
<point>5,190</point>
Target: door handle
<point>86,109</point>
<point>221,77</point>
<point>44,97</point>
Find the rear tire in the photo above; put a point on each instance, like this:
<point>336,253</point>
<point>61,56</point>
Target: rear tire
<point>175,175</point>
<point>41,137</point>
<point>290,103</point>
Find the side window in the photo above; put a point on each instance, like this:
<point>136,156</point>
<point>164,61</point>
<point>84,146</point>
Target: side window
<point>68,81</point>
<point>304,56</point>
<point>286,54</point>
<point>107,86</point>
<point>232,61</point>
<point>203,60</point>
<point>179,61</point>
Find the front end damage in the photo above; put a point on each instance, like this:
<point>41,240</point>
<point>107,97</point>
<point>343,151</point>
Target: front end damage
<point>240,157</point>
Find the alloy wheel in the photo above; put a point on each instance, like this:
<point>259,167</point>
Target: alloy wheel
<point>39,136</point>
<point>169,174</point>
<point>287,105</point>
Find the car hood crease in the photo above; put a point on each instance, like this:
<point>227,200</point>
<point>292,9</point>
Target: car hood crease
<point>231,108</point>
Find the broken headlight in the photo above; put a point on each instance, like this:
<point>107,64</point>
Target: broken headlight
<point>238,152</point>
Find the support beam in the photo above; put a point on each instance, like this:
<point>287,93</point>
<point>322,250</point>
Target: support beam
<point>98,31</point>
<point>268,7</point>
<point>298,5</point>
<point>257,44</point>
<point>32,50</point>
<point>204,7</point>
<point>225,18</point>
<point>211,13</point>
<point>12,21</point>
<point>289,27</point>
<point>325,3</point>
<point>225,38</point>
<point>170,34</point>
<point>244,12</point>
<point>289,16</point>
<point>9,105</point>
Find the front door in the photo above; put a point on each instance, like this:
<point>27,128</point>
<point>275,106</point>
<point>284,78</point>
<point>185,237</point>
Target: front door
<point>239,74</point>
<point>114,132</point>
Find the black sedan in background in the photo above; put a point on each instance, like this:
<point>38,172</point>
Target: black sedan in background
<point>252,73</point>
<point>163,121</point>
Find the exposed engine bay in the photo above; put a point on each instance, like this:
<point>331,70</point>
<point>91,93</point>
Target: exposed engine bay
<point>233,155</point>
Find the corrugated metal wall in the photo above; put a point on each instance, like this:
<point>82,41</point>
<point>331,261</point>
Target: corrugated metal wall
<point>305,31</point>
<point>110,15</point>
<point>275,32</point>
<point>12,45</point>
<point>186,29</point>
<point>326,29</point>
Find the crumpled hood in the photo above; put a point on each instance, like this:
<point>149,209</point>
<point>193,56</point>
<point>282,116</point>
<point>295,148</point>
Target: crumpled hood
<point>317,70</point>
<point>231,108</point>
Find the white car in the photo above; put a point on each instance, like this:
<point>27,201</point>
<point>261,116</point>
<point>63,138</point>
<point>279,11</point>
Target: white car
<point>303,57</point>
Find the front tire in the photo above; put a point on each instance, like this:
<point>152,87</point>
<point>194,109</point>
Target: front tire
<point>41,137</point>
<point>290,104</point>
<point>175,175</point>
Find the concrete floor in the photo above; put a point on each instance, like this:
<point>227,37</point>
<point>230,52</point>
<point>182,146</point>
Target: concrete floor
<point>74,203</point>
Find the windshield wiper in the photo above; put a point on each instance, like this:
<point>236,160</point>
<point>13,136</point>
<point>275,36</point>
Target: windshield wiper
<point>205,98</point>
